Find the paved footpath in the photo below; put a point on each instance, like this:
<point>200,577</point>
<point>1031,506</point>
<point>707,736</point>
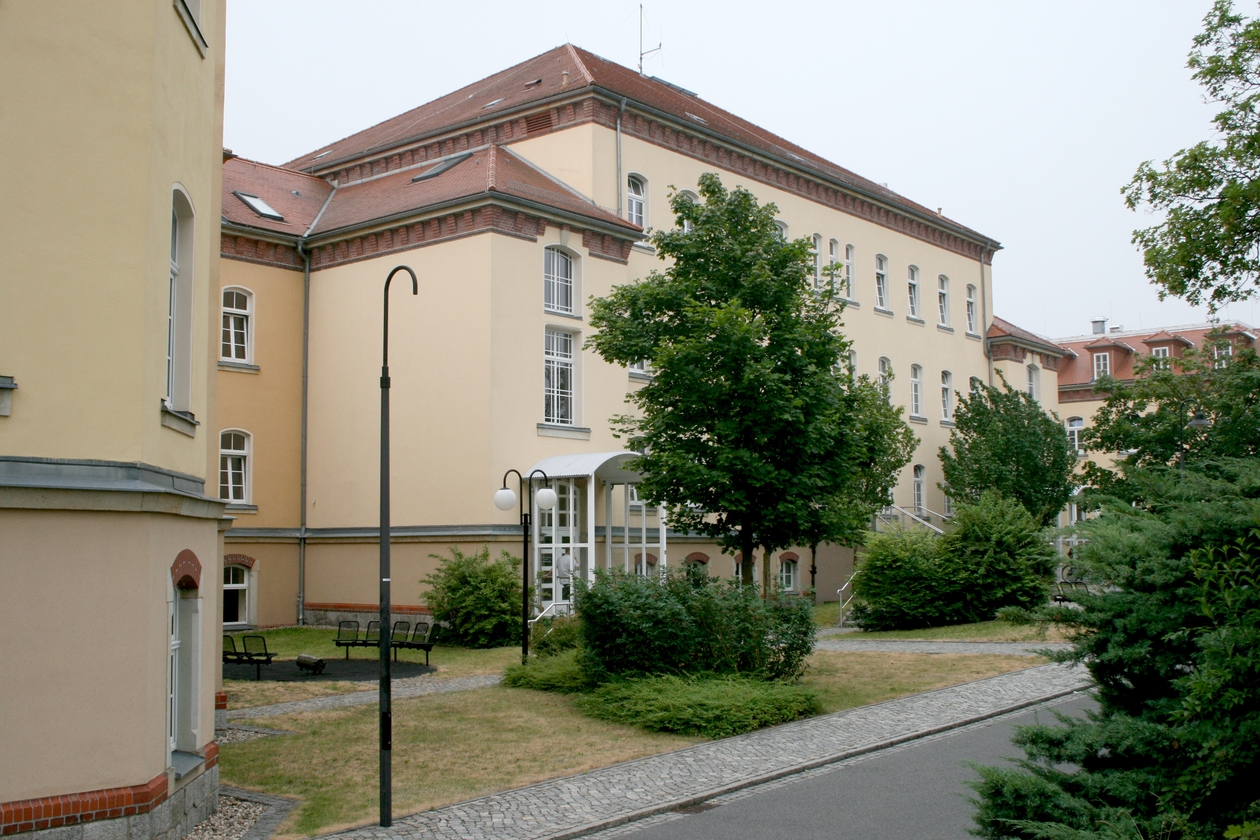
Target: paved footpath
<point>899,646</point>
<point>574,806</point>
<point>400,690</point>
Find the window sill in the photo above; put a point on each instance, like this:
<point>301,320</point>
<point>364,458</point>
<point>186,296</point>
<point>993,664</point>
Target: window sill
<point>560,314</point>
<point>559,431</point>
<point>643,248</point>
<point>914,418</point>
<point>641,377</point>
<point>974,336</point>
<point>239,367</point>
<point>234,507</point>
<point>7,387</point>
<point>915,320</point>
<point>850,303</point>
<point>236,626</point>
<point>194,31</point>
<point>945,328</point>
<point>948,424</point>
<point>181,421</point>
<point>184,763</point>
<point>879,310</point>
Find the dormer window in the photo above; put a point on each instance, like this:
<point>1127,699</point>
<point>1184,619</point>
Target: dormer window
<point>259,206</point>
<point>1102,364</point>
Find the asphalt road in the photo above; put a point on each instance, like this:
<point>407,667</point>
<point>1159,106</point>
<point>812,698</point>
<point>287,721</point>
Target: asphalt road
<point>917,791</point>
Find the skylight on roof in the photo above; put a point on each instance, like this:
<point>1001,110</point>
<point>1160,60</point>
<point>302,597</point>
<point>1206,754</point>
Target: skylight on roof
<point>439,168</point>
<point>259,206</point>
<point>321,154</point>
<point>534,83</point>
<point>700,120</point>
<point>492,104</point>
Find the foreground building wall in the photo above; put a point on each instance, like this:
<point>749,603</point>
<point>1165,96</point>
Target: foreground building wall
<point>110,544</point>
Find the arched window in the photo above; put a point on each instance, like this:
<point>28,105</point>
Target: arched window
<point>816,242</point>
<point>783,229</point>
<point>787,574</point>
<point>971,310</point>
<point>947,395</point>
<point>557,281</point>
<point>849,251</point>
<point>238,328</point>
<point>975,383</point>
<point>917,487</point>
<point>837,273</point>
<point>942,299</point>
<point>885,371</point>
<point>881,281</point>
<point>912,282</point>
<point>1075,425</point>
<point>636,200</point>
<point>916,391</point>
<point>234,458</point>
<point>1034,377</point>
<point>853,362</point>
<point>179,305</point>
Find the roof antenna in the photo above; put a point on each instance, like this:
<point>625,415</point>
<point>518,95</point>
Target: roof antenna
<point>642,54</point>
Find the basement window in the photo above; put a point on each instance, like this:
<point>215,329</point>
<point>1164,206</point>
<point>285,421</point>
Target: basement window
<point>259,206</point>
<point>439,168</point>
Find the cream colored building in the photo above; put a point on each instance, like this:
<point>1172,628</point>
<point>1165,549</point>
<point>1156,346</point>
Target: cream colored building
<point>109,544</point>
<point>515,200</point>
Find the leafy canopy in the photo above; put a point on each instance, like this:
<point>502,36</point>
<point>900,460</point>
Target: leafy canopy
<point>752,433</point>
<point>1003,440</point>
<point>1205,249</point>
<point>477,598</point>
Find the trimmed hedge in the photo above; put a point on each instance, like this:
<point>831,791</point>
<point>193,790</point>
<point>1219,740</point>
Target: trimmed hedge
<point>561,673</point>
<point>479,599</point>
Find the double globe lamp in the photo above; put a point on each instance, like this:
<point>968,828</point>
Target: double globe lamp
<point>504,499</point>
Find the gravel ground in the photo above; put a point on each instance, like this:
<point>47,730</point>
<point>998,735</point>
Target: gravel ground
<point>236,736</point>
<point>230,822</point>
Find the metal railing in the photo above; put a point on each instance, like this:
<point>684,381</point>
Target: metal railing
<point>553,610</point>
<point>844,602</point>
<point>896,515</point>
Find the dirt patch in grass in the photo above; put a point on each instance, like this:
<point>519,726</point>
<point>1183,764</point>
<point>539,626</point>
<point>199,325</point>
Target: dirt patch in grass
<point>844,680</point>
<point>243,694</point>
<point>984,631</point>
<point>447,748</point>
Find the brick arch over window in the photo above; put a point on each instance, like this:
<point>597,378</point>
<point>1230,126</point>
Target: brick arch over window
<point>697,557</point>
<point>186,570</point>
<point>651,558</point>
<point>789,555</point>
<point>239,560</point>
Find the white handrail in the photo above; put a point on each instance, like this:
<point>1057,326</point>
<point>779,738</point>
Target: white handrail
<point>844,602</point>
<point>554,610</point>
<point>910,516</point>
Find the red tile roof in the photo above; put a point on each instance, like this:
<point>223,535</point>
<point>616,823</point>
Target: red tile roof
<point>1080,370</point>
<point>294,195</point>
<point>1001,328</point>
<point>544,78</point>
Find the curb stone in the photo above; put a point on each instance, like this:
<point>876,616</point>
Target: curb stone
<point>278,807</point>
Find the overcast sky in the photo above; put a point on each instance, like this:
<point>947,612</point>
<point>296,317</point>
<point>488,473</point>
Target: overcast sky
<point>1021,120</point>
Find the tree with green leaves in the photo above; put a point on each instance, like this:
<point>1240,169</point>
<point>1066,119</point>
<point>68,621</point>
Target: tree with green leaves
<point>1149,419</point>
<point>1003,440</point>
<point>1205,248</point>
<point>751,430</point>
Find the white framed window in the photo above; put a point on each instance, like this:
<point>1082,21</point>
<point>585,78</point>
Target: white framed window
<point>1161,356</point>
<point>787,575</point>
<point>172,673</point>
<point>947,395</point>
<point>975,383</point>
<point>642,367</point>
<point>235,594</point>
<point>885,371</point>
<point>834,261</point>
<point>817,264</point>
<point>636,200</point>
<point>234,458</point>
<point>849,251</point>
<point>695,199</point>
<point>557,281</point>
<point>917,487</point>
<point>942,299</point>
<point>177,393</point>
<point>1102,364</point>
<point>754,569</point>
<point>948,509</point>
<point>916,391</point>
<point>971,309</point>
<point>783,229</point>
<point>912,284</point>
<point>881,281</point>
<point>1034,381</point>
<point>558,391</point>
<point>1222,352</point>
<point>853,362</point>
<point>237,344</point>
<point>1075,425</point>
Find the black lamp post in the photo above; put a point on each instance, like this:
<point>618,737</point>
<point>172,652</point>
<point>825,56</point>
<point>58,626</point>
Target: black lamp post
<point>1199,421</point>
<point>386,724</point>
<point>503,500</point>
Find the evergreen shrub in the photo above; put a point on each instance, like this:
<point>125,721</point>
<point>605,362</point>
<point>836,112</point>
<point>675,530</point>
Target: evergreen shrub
<point>560,672</point>
<point>479,599</point>
<point>550,636</point>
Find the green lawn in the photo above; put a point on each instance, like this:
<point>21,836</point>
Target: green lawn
<point>984,631</point>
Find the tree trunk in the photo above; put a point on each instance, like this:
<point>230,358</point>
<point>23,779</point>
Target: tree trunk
<point>765,574</point>
<point>813,571</point>
<point>746,555</point>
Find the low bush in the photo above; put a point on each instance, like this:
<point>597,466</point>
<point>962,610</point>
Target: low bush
<point>996,556</point>
<point>550,635</point>
<point>688,623</point>
<point>478,599</point>
<point>714,707</point>
<point>561,673</point>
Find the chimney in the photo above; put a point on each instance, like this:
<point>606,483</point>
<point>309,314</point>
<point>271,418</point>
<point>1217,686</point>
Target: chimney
<point>564,78</point>
<point>1099,325</point>
<point>1118,328</point>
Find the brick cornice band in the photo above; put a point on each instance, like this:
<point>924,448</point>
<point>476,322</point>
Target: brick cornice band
<point>74,808</point>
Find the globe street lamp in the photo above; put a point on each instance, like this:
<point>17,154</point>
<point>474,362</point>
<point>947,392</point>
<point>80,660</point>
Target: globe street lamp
<point>504,498</point>
<point>386,720</point>
<point>1200,421</point>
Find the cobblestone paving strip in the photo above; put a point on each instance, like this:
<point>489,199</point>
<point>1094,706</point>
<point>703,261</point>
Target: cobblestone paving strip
<point>575,806</point>
<point>895,646</point>
<point>401,690</point>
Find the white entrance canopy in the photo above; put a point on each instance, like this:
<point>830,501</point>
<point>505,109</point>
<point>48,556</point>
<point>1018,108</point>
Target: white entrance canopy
<point>606,466</point>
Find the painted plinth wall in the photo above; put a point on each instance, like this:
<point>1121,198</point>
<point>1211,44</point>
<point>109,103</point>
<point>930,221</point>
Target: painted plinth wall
<point>111,546</point>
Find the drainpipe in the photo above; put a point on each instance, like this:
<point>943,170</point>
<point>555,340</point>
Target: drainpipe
<point>306,343</point>
<point>620,186</point>
<point>984,317</point>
